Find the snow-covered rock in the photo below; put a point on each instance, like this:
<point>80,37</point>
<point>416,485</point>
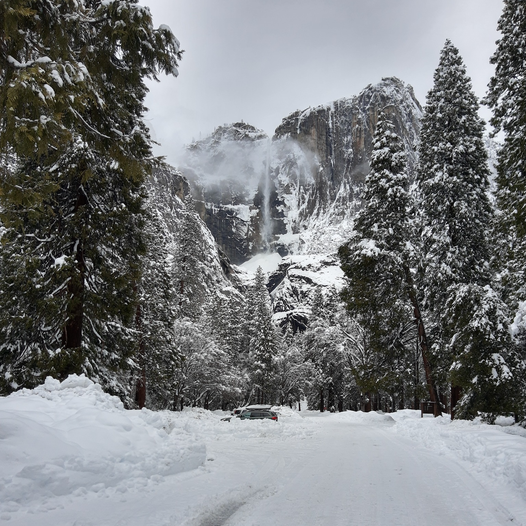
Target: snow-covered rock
<point>297,193</point>
<point>293,285</point>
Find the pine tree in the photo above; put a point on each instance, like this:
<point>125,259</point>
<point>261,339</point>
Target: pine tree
<point>263,344</point>
<point>226,322</point>
<point>71,97</point>
<point>291,369</point>
<point>455,214</point>
<point>157,354</point>
<point>204,376</point>
<point>189,264</point>
<point>323,351</point>
<point>374,259</point>
<point>377,261</point>
<point>507,98</point>
<point>453,182</point>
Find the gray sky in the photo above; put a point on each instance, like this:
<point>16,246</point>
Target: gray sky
<point>259,60</point>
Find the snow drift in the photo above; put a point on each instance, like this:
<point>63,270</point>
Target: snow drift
<point>71,438</point>
<point>70,454</point>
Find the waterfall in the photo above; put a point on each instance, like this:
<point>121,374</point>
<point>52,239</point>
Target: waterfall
<point>267,220</point>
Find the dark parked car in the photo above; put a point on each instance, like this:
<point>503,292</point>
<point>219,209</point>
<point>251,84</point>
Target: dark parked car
<point>240,411</point>
<point>259,415</point>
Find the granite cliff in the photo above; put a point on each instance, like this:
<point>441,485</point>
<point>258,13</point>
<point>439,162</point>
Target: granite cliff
<point>298,192</point>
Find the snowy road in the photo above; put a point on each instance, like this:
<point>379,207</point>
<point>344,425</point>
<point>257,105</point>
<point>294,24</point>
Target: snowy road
<point>71,455</point>
<point>362,475</point>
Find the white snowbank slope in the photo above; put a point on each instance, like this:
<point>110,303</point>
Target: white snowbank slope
<point>69,439</point>
<point>72,455</point>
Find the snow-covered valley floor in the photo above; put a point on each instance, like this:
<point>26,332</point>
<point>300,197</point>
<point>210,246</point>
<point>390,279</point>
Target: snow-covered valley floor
<point>71,455</point>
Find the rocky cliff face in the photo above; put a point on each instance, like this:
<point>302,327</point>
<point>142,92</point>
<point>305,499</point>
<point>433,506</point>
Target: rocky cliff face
<point>338,137</point>
<point>225,171</point>
<point>293,286</point>
<point>297,193</point>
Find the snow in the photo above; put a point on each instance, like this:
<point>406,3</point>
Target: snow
<point>268,261</point>
<point>320,270</point>
<point>60,261</point>
<point>71,440</point>
<point>72,455</point>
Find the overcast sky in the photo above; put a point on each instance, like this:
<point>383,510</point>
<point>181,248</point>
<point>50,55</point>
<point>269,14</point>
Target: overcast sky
<point>259,60</point>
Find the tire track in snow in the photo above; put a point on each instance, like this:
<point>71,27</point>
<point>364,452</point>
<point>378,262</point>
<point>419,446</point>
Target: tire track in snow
<point>362,475</point>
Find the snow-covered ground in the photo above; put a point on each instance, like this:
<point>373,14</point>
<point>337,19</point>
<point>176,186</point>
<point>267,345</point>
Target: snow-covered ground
<point>71,455</point>
<point>268,261</point>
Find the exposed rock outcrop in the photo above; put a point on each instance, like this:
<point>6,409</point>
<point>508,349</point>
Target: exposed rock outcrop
<point>293,285</point>
<point>297,193</point>
<point>338,139</point>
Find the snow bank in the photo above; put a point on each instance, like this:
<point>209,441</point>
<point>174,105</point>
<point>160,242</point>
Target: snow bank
<point>72,439</point>
<point>62,442</point>
<point>209,425</point>
<point>494,454</point>
<point>371,418</point>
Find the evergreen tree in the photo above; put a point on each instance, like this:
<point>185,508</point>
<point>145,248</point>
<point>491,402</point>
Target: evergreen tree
<point>205,376</point>
<point>323,351</point>
<point>455,214</point>
<point>157,355</point>
<point>453,183</point>
<point>375,258</point>
<point>380,292</point>
<point>189,264</point>
<point>225,320</point>
<point>507,98</point>
<point>71,97</point>
<point>365,363</point>
<point>291,369</point>
<point>263,342</point>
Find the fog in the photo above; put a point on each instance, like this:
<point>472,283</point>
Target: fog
<point>259,61</point>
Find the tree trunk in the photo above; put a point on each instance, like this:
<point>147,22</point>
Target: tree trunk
<point>322,401</point>
<point>72,361</point>
<point>456,394</point>
<point>330,398</point>
<point>416,400</point>
<point>422,340</point>
<point>72,332</point>
<point>140,388</point>
<point>368,403</point>
<point>72,335</point>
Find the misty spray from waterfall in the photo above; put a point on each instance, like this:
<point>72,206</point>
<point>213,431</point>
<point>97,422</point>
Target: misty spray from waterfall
<point>267,220</point>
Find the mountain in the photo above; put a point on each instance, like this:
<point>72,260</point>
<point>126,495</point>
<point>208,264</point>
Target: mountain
<point>224,171</point>
<point>296,193</point>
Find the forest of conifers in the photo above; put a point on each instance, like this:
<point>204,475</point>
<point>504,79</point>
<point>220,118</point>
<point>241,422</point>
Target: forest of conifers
<point>94,281</point>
